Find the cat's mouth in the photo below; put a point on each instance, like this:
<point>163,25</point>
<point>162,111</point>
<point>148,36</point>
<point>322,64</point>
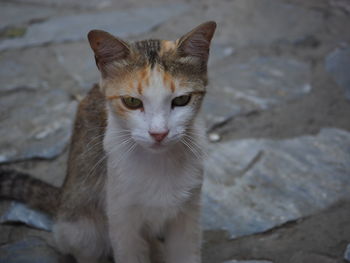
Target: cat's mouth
<point>157,145</point>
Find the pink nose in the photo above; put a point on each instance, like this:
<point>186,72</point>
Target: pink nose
<point>159,136</point>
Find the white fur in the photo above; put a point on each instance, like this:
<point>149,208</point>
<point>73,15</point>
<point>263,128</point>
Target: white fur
<point>85,239</point>
<point>151,187</point>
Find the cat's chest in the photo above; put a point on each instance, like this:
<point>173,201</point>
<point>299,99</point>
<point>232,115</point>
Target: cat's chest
<point>153,182</point>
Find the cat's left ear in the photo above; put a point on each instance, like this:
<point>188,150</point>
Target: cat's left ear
<point>196,43</point>
<point>107,48</point>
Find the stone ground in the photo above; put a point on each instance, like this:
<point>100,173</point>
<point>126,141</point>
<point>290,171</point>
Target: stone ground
<point>278,111</point>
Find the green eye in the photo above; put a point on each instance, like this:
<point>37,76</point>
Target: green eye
<point>181,101</point>
<point>132,103</point>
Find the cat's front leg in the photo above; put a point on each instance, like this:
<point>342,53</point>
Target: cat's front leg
<point>183,238</point>
<point>128,244</point>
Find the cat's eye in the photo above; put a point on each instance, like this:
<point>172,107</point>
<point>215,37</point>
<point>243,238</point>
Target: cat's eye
<point>132,103</point>
<point>181,101</point>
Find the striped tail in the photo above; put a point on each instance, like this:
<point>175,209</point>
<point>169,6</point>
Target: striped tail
<point>33,192</point>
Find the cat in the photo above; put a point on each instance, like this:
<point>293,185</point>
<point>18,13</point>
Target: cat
<point>135,171</point>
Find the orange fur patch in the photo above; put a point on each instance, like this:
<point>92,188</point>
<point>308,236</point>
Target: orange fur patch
<point>112,97</point>
<point>168,80</point>
<point>143,76</point>
<point>172,86</point>
<point>139,88</point>
<point>166,77</point>
<point>167,46</point>
<point>130,85</point>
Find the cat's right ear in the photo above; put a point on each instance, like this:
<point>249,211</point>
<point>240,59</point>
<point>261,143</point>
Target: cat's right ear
<point>107,48</point>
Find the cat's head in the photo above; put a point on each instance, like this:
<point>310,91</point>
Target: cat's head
<point>153,88</point>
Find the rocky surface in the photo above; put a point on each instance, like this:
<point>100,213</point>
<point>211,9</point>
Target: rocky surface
<point>20,213</point>
<point>75,27</point>
<point>256,84</point>
<point>27,251</point>
<point>253,185</point>
<point>38,123</point>
<point>12,16</point>
<point>277,110</point>
<point>347,253</point>
<point>247,261</point>
<point>338,64</point>
<point>321,237</point>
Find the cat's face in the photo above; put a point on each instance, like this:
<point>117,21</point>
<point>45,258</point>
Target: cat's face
<point>154,88</point>
<point>155,107</point>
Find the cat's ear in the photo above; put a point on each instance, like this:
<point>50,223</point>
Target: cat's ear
<point>107,48</point>
<point>196,43</point>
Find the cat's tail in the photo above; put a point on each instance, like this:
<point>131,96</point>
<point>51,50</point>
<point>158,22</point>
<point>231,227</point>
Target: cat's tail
<point>31,191</point>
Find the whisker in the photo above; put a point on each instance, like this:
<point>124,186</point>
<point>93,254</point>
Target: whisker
<point>125,155</point>
<point>195,144</point>
<point>194,151</point>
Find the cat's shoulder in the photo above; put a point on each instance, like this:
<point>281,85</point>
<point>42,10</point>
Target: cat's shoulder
<point>93,106</point>
<point>93,100</point>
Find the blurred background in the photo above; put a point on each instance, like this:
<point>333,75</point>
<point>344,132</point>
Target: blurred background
<point>277,182</point>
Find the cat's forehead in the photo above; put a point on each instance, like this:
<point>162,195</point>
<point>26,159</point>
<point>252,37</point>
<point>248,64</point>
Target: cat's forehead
<point>156,69</point>
<point>152,80</point>
<point>150,50</point>
<point>155,50</point>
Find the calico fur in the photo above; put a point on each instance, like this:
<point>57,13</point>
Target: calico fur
<point>126,194</point>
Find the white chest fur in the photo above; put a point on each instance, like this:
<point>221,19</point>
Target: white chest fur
<point>152,182</point>
<point>155,186</point>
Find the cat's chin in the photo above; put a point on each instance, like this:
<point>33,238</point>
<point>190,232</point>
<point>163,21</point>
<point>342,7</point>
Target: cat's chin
<point>157,147</point>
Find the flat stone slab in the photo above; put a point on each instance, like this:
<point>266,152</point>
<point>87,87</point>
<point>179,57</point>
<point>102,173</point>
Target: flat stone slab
<point>303,257</point>
<point>19,212</point>
<point>35,96</point>
<point>14,15</point>
<point>248,261</point>
<point>338,65</point>
<point>347,253</point>
<point>257,84</point>
<point>78,61</point>
<point>219,52</point>
<point>75,27</point>
<point>87,4</point>
<point>36,123</point>
<point>253,185</point>
<point>29,250</point>
<point>262,22</point>
<point>244,23</point>
<point>31,69</point>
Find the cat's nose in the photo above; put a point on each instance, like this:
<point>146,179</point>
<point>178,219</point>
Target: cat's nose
<point>159,136</point>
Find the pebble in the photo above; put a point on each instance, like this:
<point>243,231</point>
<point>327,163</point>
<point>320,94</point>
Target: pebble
<point>214,137</point>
